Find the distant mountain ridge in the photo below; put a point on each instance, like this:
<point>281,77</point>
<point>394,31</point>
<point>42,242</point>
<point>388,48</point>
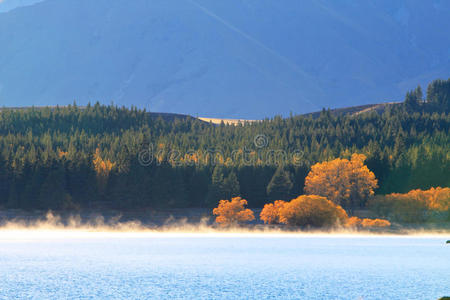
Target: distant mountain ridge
<point>224,59</point>
<point>7,5</point>
<point>353,110</point>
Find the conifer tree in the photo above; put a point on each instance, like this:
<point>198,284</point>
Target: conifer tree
<point>438,94</point>
<point>53,194</point>
<point>231,187</point>
<point>216,188</point>
<point>280,186</point>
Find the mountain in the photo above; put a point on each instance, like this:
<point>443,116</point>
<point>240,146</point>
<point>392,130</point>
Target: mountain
<point>7,5</point>
<point>226,59</point>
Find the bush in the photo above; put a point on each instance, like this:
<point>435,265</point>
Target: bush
<point>353,222</point>
<point>233,212</point>
<point>270,214</point>
<point>375,223</point>
<point>438,198</point>
<point>414,206</point>
<point>312,210</point>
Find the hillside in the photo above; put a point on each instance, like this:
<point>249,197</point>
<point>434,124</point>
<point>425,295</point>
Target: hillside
<point>353,110</point>
<point>105,156</point>
<point>8,5</point>
<point>220,59</point>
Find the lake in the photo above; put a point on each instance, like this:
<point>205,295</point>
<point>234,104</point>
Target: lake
<point>203,266</point>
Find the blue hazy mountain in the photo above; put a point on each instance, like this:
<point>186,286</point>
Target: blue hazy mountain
<point>234,58</point>
<point>7,5</point>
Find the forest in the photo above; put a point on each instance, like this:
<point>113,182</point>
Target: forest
<point>72,157</point>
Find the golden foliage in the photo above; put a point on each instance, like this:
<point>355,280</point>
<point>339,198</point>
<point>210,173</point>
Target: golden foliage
<point>233,212</point>
<point>312,210</point>
<point>345,182</point>
<point>437,198</point>
<point>375,223</point>
<point>102,169</point>
<point>62,154</point>
<point>367,223</point>
<point>353,222</point>
<point>413,206</point>
<point>270,214</point>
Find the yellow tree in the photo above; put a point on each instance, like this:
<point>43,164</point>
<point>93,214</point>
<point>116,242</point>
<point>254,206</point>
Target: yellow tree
<point>367,223</point>
<point>270,214</point>
<point>375,223</point>
<point>438,198</point>
<point>102,169</point>
<point>312,210</point>
<point>345,182</point>
<point>233,212</point>
<point>414,206</point>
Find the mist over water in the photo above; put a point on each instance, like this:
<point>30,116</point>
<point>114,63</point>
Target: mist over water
<point>55,226</point>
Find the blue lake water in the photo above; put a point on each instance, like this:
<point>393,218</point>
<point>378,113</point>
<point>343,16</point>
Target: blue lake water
<point>307,267</point>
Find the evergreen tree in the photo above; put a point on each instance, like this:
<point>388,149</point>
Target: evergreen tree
<point>53,194</point>
<point>231,187</point>
<point>253,182</point>
<point>411,100</point>
<point>418,94</point>
<point>438,94</point>
<point>168,187</point>
<point>216,188</point>
<point>280,185</point>
<point>197,187</point>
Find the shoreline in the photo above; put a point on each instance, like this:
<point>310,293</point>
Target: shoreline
<point>61,234</point>
<point>181,222</point>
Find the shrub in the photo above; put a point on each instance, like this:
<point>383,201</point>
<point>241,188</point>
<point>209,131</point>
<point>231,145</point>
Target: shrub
<point>233,212</point>
<point>375,223</point>
<point>367,223</point>
<point>353,222</point>
<point>437,198</point>
<point>270,214</point>
<point>312,210</point>
<point>414,206</point>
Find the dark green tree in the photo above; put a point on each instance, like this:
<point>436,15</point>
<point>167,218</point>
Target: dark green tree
<point>216,188</point>
<point>53,194</point>
<point>438,94</point>
<point>413,99</point>
<point>231,187</point>
<point>280,186</point>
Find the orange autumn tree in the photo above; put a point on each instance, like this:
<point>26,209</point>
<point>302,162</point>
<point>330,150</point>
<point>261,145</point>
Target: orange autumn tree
<point>375,223</point>
<point>270,214</point>
<point>353,222</point>
<point>437,198</point>
<point>233,212</point>
<point>367,223</point>
<point>312,210</point>
<point>414,206</point>
<point>348,183</point>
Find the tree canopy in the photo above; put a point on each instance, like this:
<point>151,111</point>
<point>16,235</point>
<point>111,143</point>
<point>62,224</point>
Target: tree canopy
<point>348,183</point>
<point>233,212</point>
